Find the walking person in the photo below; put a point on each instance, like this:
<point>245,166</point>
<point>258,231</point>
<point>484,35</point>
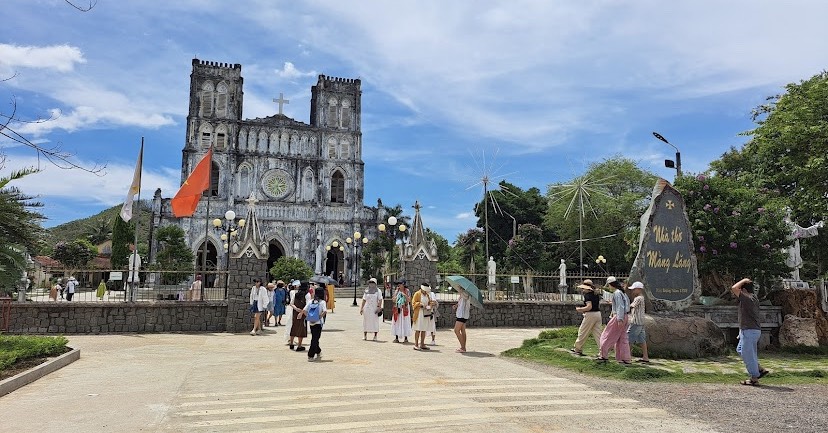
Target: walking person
<point>370,309</point>
<point>749,330</point>
<point>462,313</point>
<point>279,302</point>
<point>615,334</point>
<point>401,313</point>
<point>421,312</point>
<point>53,293</point>
<point>636,334</point>
<point>315,312</point>
<point>70,287</point>
<point>268,312</point>
<point>298,327</point>
<point>194,293</point>
<point>258,304</point>
<point>101,291</point>
<point>591,322</point>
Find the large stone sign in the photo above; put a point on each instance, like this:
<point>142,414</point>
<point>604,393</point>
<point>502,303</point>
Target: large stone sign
<point>665,262</point>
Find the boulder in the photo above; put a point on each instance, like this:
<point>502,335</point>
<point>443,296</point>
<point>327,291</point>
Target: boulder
<point>675,335</point>
<point>803,304</point>
<point>798,331</point>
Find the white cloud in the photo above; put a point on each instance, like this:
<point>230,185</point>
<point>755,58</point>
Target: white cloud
<point>61,58</point>
<point>86,188</point>
<point>289,72</point>
<point>465,216</point>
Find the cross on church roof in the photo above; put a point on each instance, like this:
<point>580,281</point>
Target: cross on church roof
<point>417,205</point>
<point>281,101</point>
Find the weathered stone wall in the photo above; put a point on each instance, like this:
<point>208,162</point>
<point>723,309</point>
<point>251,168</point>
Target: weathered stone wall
<point>518,313</point>
<point>242,272</point>
<point>418,271</point>
<point>104,318</point>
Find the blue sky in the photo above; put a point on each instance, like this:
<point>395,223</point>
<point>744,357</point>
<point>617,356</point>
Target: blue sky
<point>534,90</point>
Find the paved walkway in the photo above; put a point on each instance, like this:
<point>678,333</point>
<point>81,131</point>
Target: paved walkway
<point>226,382</point>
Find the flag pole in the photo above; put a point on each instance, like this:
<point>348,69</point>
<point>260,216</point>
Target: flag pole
<point>134,261</point>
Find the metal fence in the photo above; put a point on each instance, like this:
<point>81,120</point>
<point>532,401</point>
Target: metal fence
<point>525,287</point>
<point>150,286</point>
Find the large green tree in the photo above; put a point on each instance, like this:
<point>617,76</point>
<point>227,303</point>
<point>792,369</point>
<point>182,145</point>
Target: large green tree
<point>75,254</point>
<point>99,231</point>
<point>526,251</point>
<point>20,230</point>
<point>508,207</point>
<point>614,193</point>
<point>737,231</point>
<point>447,262</point>
<point>173,255</point>
<point>788,153</point>
<point>123,235</point>
<point>291,268</point>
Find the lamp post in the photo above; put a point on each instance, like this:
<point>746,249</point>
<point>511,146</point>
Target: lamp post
<point>356,243</point>
<point>229,227</point>
<point>392,225</point>
<point>667,162</point>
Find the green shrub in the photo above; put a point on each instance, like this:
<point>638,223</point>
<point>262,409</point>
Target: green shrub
<point>17,348</point>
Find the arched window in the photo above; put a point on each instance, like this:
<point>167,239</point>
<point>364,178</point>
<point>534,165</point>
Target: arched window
<point>206,136</point>
<point>214,180</point>
<point>251,142</point>
<point>308,186</point>
<point>274,141</point>
<point>244,181</point>
<point>242,140</point>
<point>331,114</point>
<point>221,100</point>
<point>337,187</point>
<point>332,148</point>
<point>346,113</point>
<point>262,142</point>
<point>207,99</point>
<point>346,149</point>
<point>221,137</point>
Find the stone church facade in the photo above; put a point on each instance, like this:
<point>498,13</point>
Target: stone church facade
<point>306,179</point>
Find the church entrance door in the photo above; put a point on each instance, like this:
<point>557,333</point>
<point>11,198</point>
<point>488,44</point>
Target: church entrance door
<point>275,251</point>
<point>212,260</point>
<point>334,263</point>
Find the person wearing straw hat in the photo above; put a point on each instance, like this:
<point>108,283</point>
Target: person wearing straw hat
<point>615,334</point>
<point>591,322</point>
<point>422,312</point>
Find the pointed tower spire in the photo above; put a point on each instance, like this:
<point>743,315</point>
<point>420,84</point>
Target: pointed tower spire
<point>417,237</point>
<point>251,236</point>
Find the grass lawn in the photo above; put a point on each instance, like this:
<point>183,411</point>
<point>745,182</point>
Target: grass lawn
<point>19,351</point>
<point>552,347</point>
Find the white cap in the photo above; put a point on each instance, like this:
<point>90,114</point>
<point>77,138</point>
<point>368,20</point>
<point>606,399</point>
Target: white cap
<point>637,285</point>
<point>295,283</point>
<point>372,280</point>
<point>611,280</point>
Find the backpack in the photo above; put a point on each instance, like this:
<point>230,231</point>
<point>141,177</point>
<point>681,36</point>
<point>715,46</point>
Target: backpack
<point>313,312</point>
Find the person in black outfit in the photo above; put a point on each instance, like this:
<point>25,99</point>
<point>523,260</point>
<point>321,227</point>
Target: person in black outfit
<point>591,323</point>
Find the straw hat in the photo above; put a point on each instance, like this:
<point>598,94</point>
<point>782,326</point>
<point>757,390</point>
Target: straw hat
<point>587,285</point>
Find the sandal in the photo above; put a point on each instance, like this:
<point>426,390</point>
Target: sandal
<point>763,373</point>
<point>750,382</point>
<point>599,359</point>
<point>424,348</point>
<point>576,352</point>
<point>643,361</point>
<point>416,348</point>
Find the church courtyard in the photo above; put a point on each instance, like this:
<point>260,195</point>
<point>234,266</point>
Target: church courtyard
<point>236,382</point>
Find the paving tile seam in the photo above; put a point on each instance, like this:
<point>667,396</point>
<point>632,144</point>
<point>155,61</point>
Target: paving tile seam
<point>433,402</point>
<point>622,413</point>
<point>305,397</point>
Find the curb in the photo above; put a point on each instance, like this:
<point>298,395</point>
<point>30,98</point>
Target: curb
<point>22,379</point>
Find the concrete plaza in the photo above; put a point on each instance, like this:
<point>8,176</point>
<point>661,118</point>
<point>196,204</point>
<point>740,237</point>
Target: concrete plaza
<point>237,382</point>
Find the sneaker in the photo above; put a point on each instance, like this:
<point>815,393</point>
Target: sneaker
<point>318,357</point>
<point>291,347</point>
<point>310,359</point>
<point>300,349</point>
<point>252,332</point>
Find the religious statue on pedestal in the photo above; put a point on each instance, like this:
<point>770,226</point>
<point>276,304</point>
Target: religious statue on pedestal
<point>794,259</point>
<point>562,271</point>
<point>491,269</point>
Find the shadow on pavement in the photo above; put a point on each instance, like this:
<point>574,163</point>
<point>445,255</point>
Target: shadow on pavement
<point>478,354</point>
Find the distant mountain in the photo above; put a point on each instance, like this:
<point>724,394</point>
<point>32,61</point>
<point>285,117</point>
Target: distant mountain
<point>91,226</point>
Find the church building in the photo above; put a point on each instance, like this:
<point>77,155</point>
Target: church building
<point>305,180</point>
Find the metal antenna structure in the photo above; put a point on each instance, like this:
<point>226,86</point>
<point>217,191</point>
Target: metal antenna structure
<point>488,174</point>
<point>578,194</point>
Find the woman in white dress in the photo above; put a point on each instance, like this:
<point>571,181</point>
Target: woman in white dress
<point>371,305</point>
<point>401,317</point>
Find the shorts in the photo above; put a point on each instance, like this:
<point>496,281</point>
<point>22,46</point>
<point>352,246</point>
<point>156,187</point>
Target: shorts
<point>636,334</point>
<point>462,320</point>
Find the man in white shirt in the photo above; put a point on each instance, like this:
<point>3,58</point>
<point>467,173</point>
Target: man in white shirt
<point>70,288</point>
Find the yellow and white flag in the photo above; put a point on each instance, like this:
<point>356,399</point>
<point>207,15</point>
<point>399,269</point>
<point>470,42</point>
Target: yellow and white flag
<point>135,188</point>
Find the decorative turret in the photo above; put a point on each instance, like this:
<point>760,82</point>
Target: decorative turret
<point>251,236</point>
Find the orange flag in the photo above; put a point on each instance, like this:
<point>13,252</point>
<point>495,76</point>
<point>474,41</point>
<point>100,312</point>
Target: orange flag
<point>186,200</point>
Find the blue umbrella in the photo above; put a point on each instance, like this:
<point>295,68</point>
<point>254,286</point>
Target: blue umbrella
<point>463,285</point>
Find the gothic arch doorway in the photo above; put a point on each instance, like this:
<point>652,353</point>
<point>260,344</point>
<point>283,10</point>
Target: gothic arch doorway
<point>212,260</point>
<point>275,250</point>
<point>334,263</point>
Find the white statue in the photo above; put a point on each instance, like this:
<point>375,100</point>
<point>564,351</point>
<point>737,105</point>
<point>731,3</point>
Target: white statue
<point>134,266</point>
<point>562,270</point>
<point>794,259</point>
<point>491,269</point>
<point>318,267</point>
